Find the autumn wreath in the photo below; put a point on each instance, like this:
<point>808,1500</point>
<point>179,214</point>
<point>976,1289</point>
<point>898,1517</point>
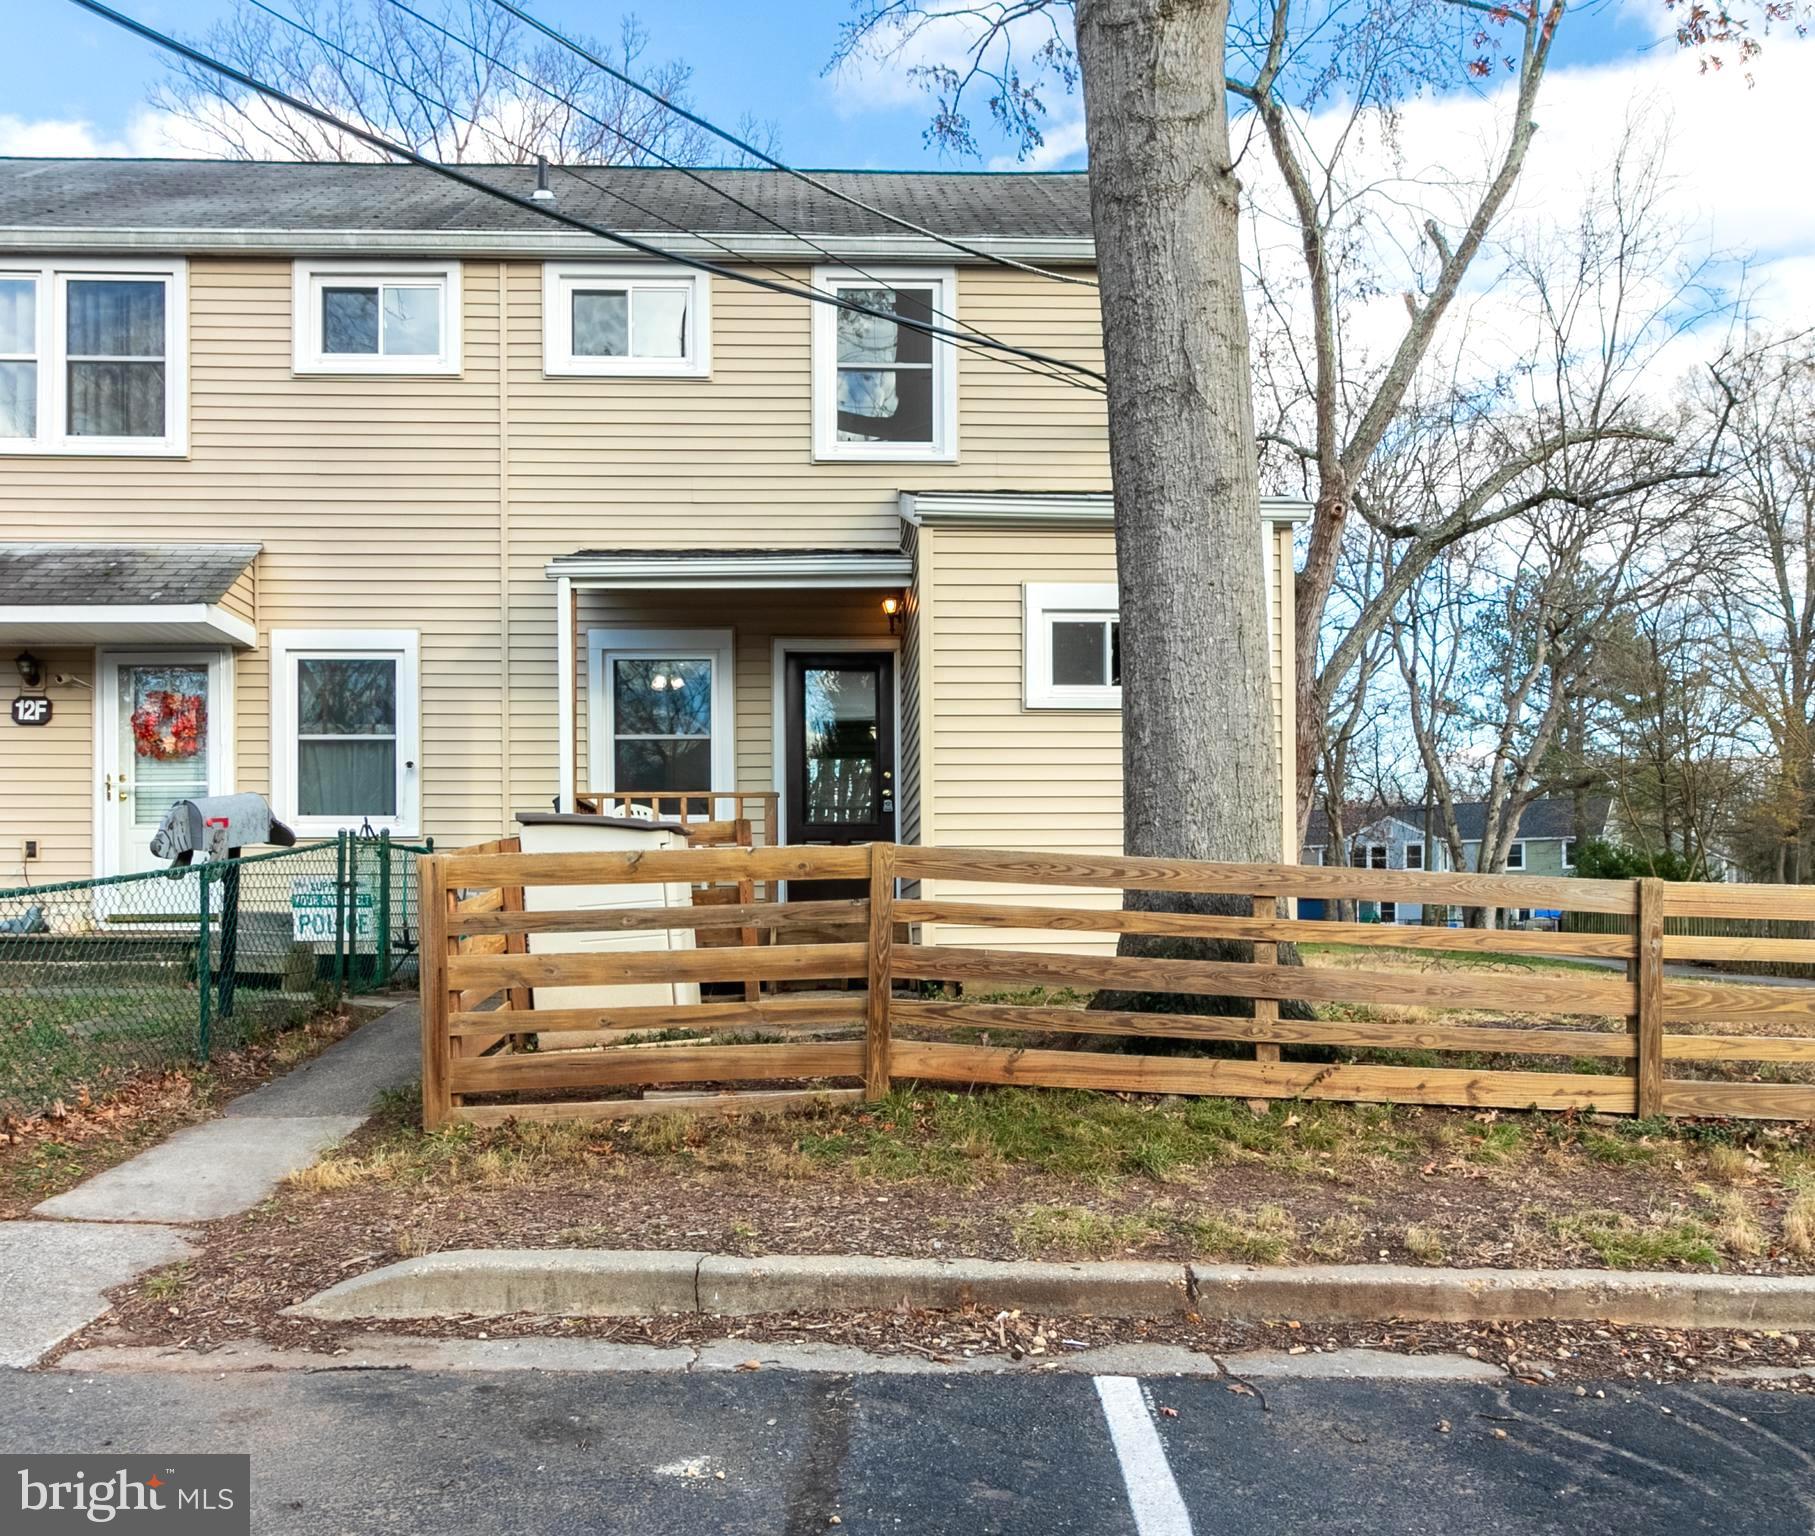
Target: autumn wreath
<point>169,726</point>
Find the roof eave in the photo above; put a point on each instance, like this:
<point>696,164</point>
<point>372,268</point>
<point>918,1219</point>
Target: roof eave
<point>1045,509</point>
<point>536,244</point>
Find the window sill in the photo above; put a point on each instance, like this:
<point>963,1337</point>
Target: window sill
<point>639,371</point>
<point>333,826</point>
<point>338,369</point>
<point>824,455</point>
<point>99,448</point>
<point>1103,700</point>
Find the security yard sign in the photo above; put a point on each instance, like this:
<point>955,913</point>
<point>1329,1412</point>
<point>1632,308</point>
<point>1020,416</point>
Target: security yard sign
<point>315,906</point>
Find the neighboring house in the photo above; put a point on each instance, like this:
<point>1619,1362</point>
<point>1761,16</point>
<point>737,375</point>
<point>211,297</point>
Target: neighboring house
<point>1394,838</point>
<point>413,510</point>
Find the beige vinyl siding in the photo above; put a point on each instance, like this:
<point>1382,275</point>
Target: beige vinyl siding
<point>1005,776</point>
<point>726,462</point>
<point>907,773</point>
<point>434,504</point>
<point>47,773</point>
<point>375,500</point>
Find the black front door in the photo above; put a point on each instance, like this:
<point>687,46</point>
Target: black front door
<point>840,767</point>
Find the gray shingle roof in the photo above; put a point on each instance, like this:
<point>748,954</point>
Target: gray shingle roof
<point>238,195</point>
<point>1551,816</point>
<point>33,575</point>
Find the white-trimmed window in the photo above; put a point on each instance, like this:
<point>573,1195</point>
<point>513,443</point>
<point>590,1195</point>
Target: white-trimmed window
<point>1072,639</point>
<point>345,731</point>
<point>1515,856</point>
<point>93,357</point>
<point>660,710</point>
<point>1414,855</point>
<point>884,390</point>
<point>632,321</point>
<point>1569,852</point>
<point>376,317</point>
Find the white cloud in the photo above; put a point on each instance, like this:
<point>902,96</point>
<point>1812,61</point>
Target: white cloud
<point>148,132</point>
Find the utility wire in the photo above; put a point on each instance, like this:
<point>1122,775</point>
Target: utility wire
<point>452,173</point>
<point>641,148</point>
<point>630,202</point>
<point>768,159</point>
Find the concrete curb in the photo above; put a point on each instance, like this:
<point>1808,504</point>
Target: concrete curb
<point>600,1283</point>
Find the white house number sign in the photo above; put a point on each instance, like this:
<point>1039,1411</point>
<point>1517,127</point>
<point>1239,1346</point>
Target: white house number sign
<point>31,709</point>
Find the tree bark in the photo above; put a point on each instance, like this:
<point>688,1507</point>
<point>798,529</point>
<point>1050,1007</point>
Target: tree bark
<point>1197,718</point>
<point>1200,774</point>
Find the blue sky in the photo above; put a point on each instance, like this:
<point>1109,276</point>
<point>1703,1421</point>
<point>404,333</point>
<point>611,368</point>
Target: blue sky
<point>65,66</point>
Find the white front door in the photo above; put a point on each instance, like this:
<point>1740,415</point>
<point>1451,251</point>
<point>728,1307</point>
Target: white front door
<point>163,722</point>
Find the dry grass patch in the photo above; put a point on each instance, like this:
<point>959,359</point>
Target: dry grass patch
<point>1424,1244</point>
<point>1736,1227</point>
<point>1077,1232</point>
<point>1799,1224</point>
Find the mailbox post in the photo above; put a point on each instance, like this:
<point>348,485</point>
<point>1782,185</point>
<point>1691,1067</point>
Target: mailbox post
<point>218,828</point>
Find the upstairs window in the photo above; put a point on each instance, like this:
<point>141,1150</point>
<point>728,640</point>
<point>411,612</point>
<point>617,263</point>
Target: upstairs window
<point>634,321</point>
<point>1414,855</point>
<point>358,318</point>
<point>92,358</point>
<point>884,388</point>
<point>1072,646</point>
<point>1515,856</point>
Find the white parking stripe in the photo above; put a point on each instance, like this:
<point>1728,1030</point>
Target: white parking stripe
<point>1159,1508</point>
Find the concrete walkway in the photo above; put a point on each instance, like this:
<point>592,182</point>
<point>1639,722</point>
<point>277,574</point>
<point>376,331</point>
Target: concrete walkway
<point>56,1263</point>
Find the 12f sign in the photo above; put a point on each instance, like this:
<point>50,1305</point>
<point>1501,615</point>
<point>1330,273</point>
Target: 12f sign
<point>31,709</point>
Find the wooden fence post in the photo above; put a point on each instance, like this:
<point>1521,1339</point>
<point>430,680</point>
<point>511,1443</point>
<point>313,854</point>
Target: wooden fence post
<point>1649,940</point>
<point>433,986</point>
<point>879,973</point>
<point>1266,1010</point>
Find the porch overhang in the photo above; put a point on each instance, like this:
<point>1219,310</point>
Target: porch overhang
<point>665,570</point>
<point>79,594</point>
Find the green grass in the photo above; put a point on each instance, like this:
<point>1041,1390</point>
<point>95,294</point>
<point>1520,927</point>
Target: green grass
<point>1369,957</point>
<point>1265,1235</point>
<point>1624,1242</point>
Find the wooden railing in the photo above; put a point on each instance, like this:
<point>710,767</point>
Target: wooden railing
<point>1608,1039</point>
<point>759,810</point>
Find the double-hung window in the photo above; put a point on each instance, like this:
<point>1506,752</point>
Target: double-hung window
<point>632,321</point>
<point>92,358</point>
<point>353,317</point>
<point>1515,856</point>
<point>1414,855</point>
<point>885,387</point>
<point>1072,644</point>
<point>344,721</point>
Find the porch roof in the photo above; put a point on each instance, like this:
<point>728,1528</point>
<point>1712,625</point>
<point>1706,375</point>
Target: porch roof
<point>714,569</point>
<point>77,593</point>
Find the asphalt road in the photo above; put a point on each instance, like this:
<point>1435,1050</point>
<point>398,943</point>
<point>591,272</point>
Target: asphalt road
<point>351,1453</point>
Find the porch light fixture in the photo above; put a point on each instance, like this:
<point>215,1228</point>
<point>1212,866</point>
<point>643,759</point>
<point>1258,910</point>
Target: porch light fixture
<point>891,605</point>
<point>31,670</point>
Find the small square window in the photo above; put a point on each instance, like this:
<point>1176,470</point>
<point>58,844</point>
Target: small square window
<point>1072,646</point>
<point>637,321</point>
<point>1515,856</point>
<point>353,318</point>
<point>1414,855</point>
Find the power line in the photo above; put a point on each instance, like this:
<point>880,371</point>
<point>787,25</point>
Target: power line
<point>644,149</point>
<point>745,147</point>
<point>452,173</point>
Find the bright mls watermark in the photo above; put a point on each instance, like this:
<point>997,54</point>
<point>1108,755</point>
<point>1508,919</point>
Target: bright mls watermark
<point>150,1495</point>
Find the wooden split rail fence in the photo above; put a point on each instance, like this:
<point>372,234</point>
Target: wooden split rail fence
<point>921,954</point>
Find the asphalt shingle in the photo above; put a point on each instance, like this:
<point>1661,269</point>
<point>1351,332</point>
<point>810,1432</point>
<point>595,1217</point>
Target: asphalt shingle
<point>271,195</point>
<point>35,575</point>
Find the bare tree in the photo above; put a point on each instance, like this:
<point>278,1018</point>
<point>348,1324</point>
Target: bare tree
<point>1764,600</point>
<point>459,81</point>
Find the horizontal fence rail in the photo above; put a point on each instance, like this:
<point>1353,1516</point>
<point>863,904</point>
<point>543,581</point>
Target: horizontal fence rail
<point>555,983</point>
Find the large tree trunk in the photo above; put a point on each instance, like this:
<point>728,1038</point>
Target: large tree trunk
<point>1200,762</point>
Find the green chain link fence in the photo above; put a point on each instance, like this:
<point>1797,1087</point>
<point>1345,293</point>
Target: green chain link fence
<point>103,979</point>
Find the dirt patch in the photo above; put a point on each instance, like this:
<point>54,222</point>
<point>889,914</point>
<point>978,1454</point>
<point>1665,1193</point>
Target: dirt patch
<point>44,1155</point>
